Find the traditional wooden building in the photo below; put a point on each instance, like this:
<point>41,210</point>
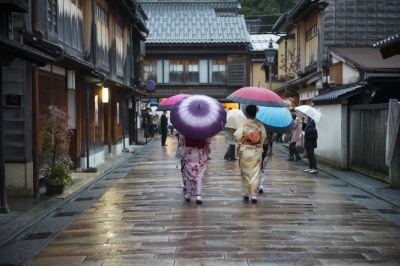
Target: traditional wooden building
<point>339,73</point>
<point>196,48</point>
<point>15,110</point>
<point>287,51</point>
<point>96,47</point>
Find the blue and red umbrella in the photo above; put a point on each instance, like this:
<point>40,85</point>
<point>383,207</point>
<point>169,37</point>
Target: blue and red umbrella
<point>169,103</point>
<point>276,120</point>
<point>257,96</point>
<point>198,116</point>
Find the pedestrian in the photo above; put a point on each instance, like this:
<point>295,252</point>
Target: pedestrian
<point>178,154</point>
<point>147,122</point>
<point>194,155</point>
<point>292,141</point>
<point>164,128</point>
<point>279,138</point>
<point>270,136</point>
<point>249,136</point>
<point>264,160</point>
<point>311,136</point>
<point>230,140</point>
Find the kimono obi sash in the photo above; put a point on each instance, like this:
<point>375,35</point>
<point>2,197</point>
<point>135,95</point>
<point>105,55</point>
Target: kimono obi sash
<point>196,143</point>
<point>252,138</point>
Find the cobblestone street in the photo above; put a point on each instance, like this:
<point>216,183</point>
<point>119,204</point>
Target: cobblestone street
<point>143,219</point>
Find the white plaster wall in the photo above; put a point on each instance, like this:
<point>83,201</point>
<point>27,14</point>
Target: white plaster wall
<point>19,178</point>
<point>94,160</point>
<point>329,142</point>
<point>350,75</point>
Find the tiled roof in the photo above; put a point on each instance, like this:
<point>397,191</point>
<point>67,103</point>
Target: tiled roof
<point>194,22</point>
<point>336,93</point>
<point>388,41</point>
<point>260,42</point>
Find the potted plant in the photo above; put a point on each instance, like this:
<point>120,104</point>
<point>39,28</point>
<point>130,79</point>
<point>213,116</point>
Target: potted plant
<point>56,163</point>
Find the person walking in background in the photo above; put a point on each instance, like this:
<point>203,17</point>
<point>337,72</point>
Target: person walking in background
<point>147,122</point>
<point>264,162</point>
<point>164,128</point>
<point>194,155</point>
<point>230,140</point>
<point>270,137</point>
<point>311,136</point>
<point>292,141</point>
<point>250,135</point>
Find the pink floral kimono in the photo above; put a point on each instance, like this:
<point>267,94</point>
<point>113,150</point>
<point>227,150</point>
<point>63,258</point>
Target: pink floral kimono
<point>250,155</point>
<point>195,160</point>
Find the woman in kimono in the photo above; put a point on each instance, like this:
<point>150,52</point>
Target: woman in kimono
<point>194,157</point>
<point>250,136</point>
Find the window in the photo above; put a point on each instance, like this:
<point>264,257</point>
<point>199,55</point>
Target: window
<point>176,71</point>
<point>213,71</point>
<point>192,71</point>
<point>311,33</point>
<point>78,3</point>
<point>102,35</point>
<point>218,71</point>
<point>102,15</point>
<point>150,69</point>
<point>52,16</point>
<point>186,71</point>
<point>119,41</point>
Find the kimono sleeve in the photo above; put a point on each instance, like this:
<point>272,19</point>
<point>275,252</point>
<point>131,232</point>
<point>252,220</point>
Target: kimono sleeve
<point>239,133</point>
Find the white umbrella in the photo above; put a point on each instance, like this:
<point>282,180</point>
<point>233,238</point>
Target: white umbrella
<point>319,118</point>
<point>235,118</point>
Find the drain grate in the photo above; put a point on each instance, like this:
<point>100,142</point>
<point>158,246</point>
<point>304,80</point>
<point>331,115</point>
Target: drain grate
<point>387,211</point>
<point>100,187</point>
<point>65,214</point>
<point>361,197</point>
<point>38,236</point>
<point>84,199</point>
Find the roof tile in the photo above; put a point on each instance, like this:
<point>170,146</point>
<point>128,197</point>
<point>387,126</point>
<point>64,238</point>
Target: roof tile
<point>185,22</point>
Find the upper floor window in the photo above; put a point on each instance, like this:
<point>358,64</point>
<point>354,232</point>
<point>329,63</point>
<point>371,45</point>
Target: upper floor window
<point>176,71</point>
<point>102,15</point>
<point>218,71</point>
<point>311,33</point>
<point>192,71</point>
<point>52,16</point>
<point>78,3</point>
<point>119,41</point>
<point>150,70</point>
<point>209,71</point>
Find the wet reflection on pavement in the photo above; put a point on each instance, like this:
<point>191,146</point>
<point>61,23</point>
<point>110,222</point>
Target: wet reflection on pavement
<point>298,220</point>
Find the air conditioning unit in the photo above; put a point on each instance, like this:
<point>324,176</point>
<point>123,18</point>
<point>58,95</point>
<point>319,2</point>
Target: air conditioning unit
<point>335,74</point>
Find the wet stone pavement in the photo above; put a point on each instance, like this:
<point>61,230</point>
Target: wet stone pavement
<point>137,215</point>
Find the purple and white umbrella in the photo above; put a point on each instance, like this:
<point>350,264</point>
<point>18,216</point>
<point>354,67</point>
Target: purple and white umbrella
<point>198,116</point>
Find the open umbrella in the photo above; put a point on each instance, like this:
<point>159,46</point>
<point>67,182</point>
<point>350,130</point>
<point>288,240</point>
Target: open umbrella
<point>168,103</point>
<point>198,116</point>
<point>153,104</point>
<point>319,118</point>
<point>276,120</point>
<point>257,96</point>
<point>234,118</point>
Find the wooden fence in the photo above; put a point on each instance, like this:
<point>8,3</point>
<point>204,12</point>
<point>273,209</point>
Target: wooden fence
<point>367,140</point>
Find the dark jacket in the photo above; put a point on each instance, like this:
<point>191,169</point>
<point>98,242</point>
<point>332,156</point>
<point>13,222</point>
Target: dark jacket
<point>310,134</point>
<point>164,122</point>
